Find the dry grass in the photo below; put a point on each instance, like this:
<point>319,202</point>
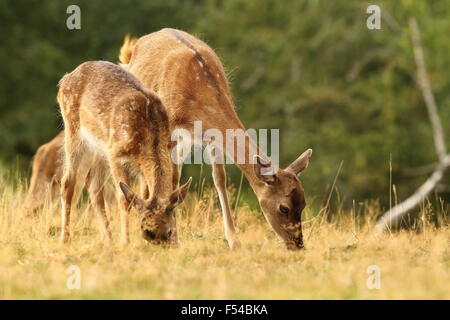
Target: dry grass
<point>334,266</point>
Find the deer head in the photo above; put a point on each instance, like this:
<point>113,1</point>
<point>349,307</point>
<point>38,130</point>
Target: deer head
<point>158,219</point>
<point>282,198</point>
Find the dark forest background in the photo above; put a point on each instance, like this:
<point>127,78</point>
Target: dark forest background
<point>311,68</point>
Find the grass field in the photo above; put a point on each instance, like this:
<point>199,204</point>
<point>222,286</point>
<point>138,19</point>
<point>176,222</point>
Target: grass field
<point>334,265</point>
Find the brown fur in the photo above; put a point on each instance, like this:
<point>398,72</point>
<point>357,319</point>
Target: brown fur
<point>113,124</point>
<point>47,170</point>
<point>190,80</point>
<point>126,50</point>
<point>45,175</point>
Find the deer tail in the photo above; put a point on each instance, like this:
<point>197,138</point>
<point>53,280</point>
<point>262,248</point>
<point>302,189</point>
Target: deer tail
<point>126,51</point>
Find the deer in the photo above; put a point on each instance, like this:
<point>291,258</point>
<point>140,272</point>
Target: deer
<point>190,80</point>
<point>46,175</point>
<point>114,125</point>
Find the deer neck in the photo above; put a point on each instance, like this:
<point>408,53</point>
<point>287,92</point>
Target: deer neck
<point>249,149</point>
<point>157,172</point>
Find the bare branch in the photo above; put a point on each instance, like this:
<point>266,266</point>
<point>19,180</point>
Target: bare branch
<point>425,86</point>
<point>393,216</point>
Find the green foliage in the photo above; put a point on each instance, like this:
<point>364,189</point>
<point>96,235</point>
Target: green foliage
<point>310,68</point>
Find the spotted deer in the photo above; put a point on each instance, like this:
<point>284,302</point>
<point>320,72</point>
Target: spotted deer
<point>46,175</point>
<point>190,80</point>
<point>113,125</point>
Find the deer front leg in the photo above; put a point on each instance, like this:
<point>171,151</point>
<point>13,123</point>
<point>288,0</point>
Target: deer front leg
<point>120,174</point>
<point>176,175</point>
<point>178,154</point>
<point>220,182</point>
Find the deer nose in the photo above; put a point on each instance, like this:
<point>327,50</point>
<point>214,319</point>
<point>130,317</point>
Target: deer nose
<point>295,244</point>
<point>299,243</point>
<point>149,235</point>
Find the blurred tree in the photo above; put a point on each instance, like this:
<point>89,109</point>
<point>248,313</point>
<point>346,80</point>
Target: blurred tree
<point>310,68</point>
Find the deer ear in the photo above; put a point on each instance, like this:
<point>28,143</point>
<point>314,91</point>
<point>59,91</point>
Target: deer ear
<point>264,170</point>
<point>301,163</point>
<point>178,195</point>
<point>130,196</point>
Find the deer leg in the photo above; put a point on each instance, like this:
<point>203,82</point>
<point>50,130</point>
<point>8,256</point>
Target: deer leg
<point>67,189</point>
<point>68,182</point>
<point>220,182</point>
<point>176,174</point>
<point>179,153</point>
<point>96,190</point>
<point>119,173</point>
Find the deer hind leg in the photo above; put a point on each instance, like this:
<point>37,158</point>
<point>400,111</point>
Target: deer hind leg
<point>96,188</point>
<point>72,159</point>
<point>120,173</point>
<point>220,182</point>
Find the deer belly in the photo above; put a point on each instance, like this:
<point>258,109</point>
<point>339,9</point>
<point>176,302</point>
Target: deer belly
<point>93,142</point>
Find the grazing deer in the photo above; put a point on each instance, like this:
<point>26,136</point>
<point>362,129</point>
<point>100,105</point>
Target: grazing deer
<point>190,80</point>
<point>46,175</point>
<point>112,124</point>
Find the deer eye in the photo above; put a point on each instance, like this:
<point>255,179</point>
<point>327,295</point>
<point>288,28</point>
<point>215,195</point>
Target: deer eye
<point>284,209</point>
